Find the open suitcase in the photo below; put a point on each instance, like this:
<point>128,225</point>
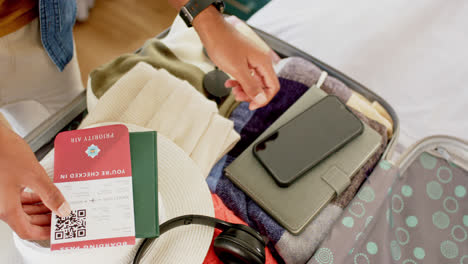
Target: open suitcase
<point>410,210</point>
<point>413,209</point>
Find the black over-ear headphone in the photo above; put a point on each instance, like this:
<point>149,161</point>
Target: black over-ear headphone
<point>236,244</point>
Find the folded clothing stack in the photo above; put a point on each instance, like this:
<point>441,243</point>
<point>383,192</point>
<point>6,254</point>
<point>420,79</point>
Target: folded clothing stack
<point>250,124</point>
<point>157,100</point>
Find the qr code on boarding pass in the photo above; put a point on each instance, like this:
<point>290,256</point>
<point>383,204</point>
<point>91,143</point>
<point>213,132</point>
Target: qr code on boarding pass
<point>72,226</point>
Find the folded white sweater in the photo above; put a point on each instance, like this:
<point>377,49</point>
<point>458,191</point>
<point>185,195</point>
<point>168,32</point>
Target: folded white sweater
<point>157,100</point>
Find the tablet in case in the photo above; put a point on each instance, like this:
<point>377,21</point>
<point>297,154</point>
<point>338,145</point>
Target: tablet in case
<point>294,207</point>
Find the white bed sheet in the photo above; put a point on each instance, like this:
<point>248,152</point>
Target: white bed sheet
<point>412,53</point>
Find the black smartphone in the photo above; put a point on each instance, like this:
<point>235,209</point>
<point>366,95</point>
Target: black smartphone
<point>309,138</point>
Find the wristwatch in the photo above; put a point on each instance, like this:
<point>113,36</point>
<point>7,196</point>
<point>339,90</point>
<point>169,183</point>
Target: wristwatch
<point>195,7</point>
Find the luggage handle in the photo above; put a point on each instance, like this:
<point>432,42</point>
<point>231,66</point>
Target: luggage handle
<point>440,145</point>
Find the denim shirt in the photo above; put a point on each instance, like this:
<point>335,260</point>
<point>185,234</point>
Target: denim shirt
<point>56,18</point>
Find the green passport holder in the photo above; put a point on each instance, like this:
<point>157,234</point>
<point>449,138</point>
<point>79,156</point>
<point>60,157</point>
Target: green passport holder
<point>143,153</point>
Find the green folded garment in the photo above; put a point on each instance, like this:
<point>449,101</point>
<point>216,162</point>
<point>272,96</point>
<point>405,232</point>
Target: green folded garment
<point>143,150</point>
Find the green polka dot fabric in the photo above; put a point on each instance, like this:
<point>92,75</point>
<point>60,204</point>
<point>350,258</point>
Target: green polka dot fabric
<point>420,216</point>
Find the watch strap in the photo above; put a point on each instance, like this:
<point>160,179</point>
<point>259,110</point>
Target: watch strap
<point>193,8</point>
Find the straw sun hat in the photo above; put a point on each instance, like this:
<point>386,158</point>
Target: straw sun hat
<point>182,189</point>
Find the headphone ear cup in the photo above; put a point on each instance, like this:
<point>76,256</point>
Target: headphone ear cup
<point>238,246</point>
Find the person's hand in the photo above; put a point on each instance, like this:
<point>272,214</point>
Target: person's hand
<point>28,214</point>
<point>255,79</point>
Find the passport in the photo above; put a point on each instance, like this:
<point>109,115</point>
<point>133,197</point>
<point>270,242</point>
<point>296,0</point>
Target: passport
<point>143,152</point>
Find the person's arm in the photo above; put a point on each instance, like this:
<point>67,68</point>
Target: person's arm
<point>255,79</point>
<point>26,213</point>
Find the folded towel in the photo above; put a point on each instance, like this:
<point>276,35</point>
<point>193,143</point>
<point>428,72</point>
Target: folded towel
<point>250,124</point>
<point>305,72</point>
<point>156,99</point>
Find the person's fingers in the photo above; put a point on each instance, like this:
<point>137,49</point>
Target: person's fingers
<point>50,195</point>
<point>272,85</point>
<point>40,220</point>
<point>36,209</point>
<point>43,232</point>
<point>242,98</point>
<point>30,198</point>
<point>252,85</point>
<point>30,231</point>
<point>240,95</point>
<point>235,91</point>
<point>19,222</point>
<point>231,83</point>
<point>254,105</point>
